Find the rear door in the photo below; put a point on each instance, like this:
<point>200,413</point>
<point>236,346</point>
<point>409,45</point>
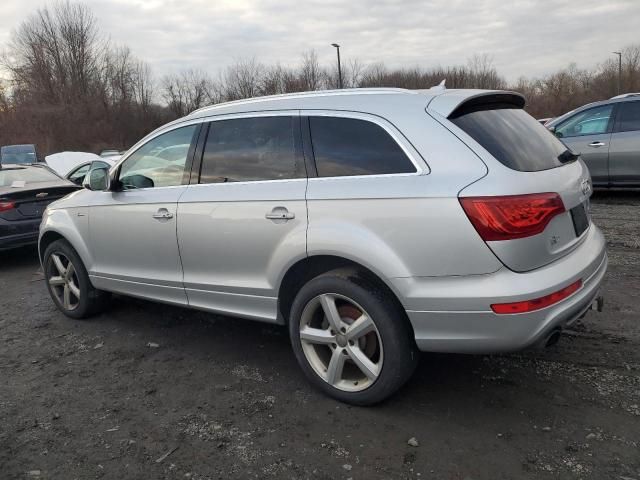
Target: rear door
<point>588,133</point>
<point>245,219</point>
<point>624,152</point>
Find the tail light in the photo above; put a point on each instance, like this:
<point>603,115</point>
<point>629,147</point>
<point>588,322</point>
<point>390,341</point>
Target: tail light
<point>512,216</point>
<point>537,303</point>
<point>4,206</point>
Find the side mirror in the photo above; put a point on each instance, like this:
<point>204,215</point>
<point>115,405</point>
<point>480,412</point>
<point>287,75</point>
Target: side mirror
<point>97,180</point>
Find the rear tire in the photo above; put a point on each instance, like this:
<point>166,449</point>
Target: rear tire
<point>68,282</point>
<point>351,338</point>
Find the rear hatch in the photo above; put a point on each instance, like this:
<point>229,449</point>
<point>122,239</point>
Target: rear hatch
<point>532,207</point>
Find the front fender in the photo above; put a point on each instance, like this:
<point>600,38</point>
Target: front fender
<point>73,225</point>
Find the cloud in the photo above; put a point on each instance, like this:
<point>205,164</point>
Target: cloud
<point>528,38</point>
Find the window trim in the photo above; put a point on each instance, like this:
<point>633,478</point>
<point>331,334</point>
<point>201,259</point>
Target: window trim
<point>619,107</point>
<point>421,166</point>
<point>610,123</point>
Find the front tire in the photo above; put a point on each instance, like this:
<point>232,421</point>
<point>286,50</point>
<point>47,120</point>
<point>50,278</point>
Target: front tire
<point>351,338</point>
<point>68,282</point>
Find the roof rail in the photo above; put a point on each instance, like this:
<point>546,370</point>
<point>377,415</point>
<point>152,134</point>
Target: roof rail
<point>626,95</point>
<point>316,93</point>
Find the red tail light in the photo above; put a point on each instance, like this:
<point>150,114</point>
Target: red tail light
<point>537,303</point>
<point>512,216</point>
<point>4,206</point>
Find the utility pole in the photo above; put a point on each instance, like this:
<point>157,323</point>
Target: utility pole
<point>337,47</point>
<point>619,54</point>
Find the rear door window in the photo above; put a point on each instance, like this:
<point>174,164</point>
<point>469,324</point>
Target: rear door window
<point>628,118</point>
<point>513,137</point>
<point>252,149</point>
<point>350,146</point>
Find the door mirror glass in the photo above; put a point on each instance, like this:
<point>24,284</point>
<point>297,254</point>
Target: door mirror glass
<point>97,180</point>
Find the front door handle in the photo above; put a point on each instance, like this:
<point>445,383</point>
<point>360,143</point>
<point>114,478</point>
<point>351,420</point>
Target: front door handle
<point>163,214</point>
<point>280,213</point>
<point>597,144</point>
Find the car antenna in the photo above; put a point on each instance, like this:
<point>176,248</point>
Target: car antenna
<point>440,86</point>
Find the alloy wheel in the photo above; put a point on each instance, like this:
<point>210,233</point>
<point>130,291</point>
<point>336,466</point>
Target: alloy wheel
<point>64,285</point>
<point>341,342</point>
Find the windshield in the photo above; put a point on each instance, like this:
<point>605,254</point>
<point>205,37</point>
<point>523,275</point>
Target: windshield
<point>18,154</point>
<point>514,138</point>
<point>19,177</point>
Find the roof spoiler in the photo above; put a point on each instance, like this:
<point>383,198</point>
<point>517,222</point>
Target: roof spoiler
<point>452,104</point>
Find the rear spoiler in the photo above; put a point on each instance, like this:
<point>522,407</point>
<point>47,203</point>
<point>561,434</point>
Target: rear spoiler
<point>454,103</point>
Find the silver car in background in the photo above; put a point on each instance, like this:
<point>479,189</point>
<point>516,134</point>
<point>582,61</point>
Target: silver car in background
<point>374,223</point>
<point>607,137</point>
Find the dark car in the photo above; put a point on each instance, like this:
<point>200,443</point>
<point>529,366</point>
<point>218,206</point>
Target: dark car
<point>18,154</point>
<point>25,191</point>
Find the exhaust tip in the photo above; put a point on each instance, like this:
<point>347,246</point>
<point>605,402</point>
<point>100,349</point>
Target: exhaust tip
<point>553,338</point>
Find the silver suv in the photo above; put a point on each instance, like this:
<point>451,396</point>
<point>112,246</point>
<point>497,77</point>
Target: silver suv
<point>374,223</point>
<point>607,136</point>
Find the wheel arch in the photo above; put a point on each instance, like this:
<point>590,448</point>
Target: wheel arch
<point>310,267</point>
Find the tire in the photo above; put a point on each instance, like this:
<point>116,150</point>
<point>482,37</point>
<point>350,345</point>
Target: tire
<point>83,299</point>
<point>386,340</point>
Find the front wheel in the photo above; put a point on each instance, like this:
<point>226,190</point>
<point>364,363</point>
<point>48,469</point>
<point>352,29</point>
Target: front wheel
<point>69,284</point>
<point>351,339</point>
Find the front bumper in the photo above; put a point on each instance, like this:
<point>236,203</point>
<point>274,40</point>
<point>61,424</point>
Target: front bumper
<point>453,314</point>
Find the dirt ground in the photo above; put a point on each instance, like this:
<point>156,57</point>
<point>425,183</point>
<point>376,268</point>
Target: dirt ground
<point>147,391</point>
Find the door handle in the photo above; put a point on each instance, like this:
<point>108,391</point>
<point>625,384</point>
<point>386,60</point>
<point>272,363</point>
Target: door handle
<point>597,144</point>
<point>280,213</point>
<point>163,214</point>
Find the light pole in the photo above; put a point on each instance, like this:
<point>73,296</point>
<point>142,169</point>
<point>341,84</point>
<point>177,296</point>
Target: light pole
<point>339,66</point>
<point>619,70</point>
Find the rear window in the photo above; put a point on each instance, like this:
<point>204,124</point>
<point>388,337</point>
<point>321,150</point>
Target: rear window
<point>21,176</point>
<point>513,137</point>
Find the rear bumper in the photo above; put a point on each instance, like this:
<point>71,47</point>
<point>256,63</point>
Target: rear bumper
<point>453,314</point>
<point>18,233</point>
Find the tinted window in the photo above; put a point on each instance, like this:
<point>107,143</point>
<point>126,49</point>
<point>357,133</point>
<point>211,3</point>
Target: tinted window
<point>348,146</point>
<point>250,149</point>
<point>588,122</point>
<point>78,175</point>
<point>19,175</point>
<point>628,117</point>
<point>18,154</point>
<point>160,162</point>
<point>513,137</point>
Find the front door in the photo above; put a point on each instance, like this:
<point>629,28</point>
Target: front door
<point>624,154</point>
<point>588,133</point>
<point>246,221</point>
<point>133,228</point>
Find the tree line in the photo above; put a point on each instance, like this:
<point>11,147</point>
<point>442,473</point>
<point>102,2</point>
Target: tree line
<point>67,87</point>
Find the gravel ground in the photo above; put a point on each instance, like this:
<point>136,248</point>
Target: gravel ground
<point>149,391</point>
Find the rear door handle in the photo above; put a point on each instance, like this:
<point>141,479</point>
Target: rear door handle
<point>597,144</point>
<point>280,213</point>
<point>163,214</point>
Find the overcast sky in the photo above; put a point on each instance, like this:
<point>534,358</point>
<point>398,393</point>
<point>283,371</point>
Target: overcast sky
<point>524,37</point>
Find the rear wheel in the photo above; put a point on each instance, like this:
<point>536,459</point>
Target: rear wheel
<point>351,339</point>
<point>68,282</point>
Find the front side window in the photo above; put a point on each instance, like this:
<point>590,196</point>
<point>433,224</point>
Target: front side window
<point>589,122</point>
<point>251,149</point>
<point>628,117</point>
<point>161,162</point>
<point>78,175</point>
<point>349,146</point>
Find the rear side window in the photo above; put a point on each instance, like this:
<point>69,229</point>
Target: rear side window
<point>349,146</point>
<point>251,149</point>
<point>513,137</point>
<point>628,117</point>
